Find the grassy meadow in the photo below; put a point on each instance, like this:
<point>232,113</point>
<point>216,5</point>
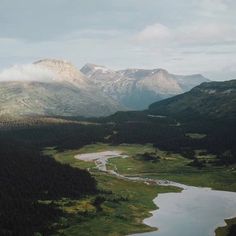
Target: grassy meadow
<point>124,203</point>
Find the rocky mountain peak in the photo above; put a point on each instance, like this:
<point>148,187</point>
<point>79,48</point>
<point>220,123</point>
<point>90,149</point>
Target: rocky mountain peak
<point>89,69</point>
<point>64,71</point>
<point>137,88</point>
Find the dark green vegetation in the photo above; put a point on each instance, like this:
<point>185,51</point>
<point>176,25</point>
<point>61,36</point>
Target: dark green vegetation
<point>171,124</point>
<point>172,166</point>
<point>26,176</point>
<point>194,146</point>
<point>228,230</point>
<point>41,195</point>
<point>123,205</point>
<point>209,100</point>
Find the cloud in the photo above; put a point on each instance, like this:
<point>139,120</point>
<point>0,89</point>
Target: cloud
<point>195,33</point>
<point>125,33</point>
<point>94,33</point>
<point>209,7</point>
<point>158,32</point>
<point>202,33</point>
<point>27,72</point>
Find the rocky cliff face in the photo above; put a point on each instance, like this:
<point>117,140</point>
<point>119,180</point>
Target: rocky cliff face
<point>138,88</point>
<point>64,72</point>
<point>57,87</point>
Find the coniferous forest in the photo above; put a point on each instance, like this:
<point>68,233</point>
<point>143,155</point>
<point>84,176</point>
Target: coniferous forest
<point>28,177</point>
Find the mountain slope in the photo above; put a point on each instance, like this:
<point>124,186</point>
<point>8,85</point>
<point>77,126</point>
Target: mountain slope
<point>38,98</point>
<point>66,93</point>
<point>65,72</point>
<point>212,100</point>
<point>138,88</point>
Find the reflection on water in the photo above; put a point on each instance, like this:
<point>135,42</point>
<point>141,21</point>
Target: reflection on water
<point>193,212</point>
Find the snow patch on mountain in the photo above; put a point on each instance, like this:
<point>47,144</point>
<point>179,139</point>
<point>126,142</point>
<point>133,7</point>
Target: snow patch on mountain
<point>138,88</point>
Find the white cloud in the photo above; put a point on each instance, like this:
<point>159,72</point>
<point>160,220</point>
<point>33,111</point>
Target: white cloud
<point>158,32</point>
<point>195,33</point>
<point>201,46</point>
<point>28,72</point>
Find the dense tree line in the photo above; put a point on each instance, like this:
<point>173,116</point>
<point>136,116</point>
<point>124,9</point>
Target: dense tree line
<point>170,134</point>
<point>26,176</point>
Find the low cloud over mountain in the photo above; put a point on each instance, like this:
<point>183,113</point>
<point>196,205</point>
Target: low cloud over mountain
<point>27,72</point>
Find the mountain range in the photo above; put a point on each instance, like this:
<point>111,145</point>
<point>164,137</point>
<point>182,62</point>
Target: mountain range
<point>57,88</point>
<point>138,88</point>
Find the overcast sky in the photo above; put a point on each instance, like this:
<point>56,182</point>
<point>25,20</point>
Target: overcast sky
<point>182,36</point>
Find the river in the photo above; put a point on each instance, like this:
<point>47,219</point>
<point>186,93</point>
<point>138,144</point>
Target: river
<point>193,212</point>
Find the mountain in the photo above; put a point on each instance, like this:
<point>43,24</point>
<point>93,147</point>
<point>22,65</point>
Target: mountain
<point>52,87</point>
<point>138,88</point>
<point>66,92</point>
<point>65,72</point>
<point>202,119</point>
<point>216,100</point>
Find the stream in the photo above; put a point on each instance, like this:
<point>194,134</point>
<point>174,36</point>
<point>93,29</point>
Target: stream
<point>194,211</point>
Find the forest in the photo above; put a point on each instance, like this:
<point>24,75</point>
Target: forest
<point>28,178</point>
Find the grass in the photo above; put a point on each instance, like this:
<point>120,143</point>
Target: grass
<point>171,166</point>
<point>174,167</point>
<point>220,178</point>
<point>117,216</point>
<point>121,217</point>
<point>225,231</point>
<point>196,135</point>
<point>67,157</point>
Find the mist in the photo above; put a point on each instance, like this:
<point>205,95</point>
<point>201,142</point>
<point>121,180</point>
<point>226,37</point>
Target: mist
<point>27,72</point>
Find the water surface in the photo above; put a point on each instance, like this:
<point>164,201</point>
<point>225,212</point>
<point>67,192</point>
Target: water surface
<point>193,212</point>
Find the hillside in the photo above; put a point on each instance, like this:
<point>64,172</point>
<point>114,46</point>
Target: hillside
<point>64,92</point>
<point>55,99</point>
<point>209,100</point>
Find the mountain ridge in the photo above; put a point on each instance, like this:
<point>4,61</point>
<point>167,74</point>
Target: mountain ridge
<point>56,87</point>
<point>67,92</point>
<point>212,99</point>
<point>138,88</point>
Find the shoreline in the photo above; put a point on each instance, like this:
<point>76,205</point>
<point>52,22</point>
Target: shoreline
<point>224,230</point>
<point>101,165</point>
<point>143,199</point>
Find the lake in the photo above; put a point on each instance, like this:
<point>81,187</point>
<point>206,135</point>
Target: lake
<point>193,212</point>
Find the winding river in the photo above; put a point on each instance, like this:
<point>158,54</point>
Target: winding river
<point>193,212</point>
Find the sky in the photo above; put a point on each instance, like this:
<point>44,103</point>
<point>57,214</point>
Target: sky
<point>182,36</point>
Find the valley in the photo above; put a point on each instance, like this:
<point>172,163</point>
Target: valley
<point>118,118</point>
<point>126,205</point>
<point>133,152</point>
<point>74,197</point>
